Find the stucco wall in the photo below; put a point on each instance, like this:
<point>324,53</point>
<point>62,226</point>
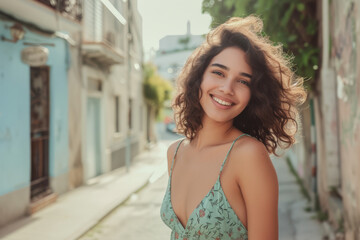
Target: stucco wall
<point>15,142</point>
<point>346,54</point>
<point>338,116</point>
<point>76,84</point>
<point>14,117</point>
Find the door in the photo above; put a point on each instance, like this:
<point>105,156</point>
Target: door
<point>93,142</point>
<point>39,110</point>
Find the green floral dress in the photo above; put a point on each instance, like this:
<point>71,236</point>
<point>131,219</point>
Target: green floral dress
<point>212,219</point>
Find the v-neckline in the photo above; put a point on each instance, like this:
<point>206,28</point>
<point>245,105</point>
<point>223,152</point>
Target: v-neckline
<point>197,206</point>
<point>218,180</point>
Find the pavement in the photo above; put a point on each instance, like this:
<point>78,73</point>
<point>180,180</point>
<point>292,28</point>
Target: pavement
<point>295,221</point>
<point>77,211</point>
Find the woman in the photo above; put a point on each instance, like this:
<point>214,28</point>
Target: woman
<point>236,104</point>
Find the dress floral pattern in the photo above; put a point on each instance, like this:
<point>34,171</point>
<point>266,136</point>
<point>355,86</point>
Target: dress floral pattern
<point>212,219</point>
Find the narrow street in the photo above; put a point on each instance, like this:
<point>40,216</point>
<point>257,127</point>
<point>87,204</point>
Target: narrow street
<point>83,85</point>
<point>138,218</point>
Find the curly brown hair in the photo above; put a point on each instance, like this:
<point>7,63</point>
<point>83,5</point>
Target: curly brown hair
<point>276,91</point>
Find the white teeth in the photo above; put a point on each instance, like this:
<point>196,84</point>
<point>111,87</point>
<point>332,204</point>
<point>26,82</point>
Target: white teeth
<point>221,101</point>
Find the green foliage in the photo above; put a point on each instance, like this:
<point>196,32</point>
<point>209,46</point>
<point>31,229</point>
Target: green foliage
<point>341,227</point>
<point>156,89</point>
<point>322,216</point>
<point>289,22</point>
<point>298,179</point>
<point>184,41</point>
<point>308,209</point>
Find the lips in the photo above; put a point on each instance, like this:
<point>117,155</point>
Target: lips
<point>222,101</point>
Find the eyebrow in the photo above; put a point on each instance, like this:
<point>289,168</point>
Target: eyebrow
<point>226,68</point>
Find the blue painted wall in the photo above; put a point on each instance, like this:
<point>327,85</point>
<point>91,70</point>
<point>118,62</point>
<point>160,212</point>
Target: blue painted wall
<point>15,157</point>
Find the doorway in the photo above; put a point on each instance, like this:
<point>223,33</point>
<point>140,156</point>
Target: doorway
<point>93,138</point>
<point>39,132</point>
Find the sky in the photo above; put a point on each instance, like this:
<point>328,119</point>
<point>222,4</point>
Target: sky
<point>169,17</point>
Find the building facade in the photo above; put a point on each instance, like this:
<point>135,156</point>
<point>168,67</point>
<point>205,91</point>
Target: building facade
<point>337,117</point>
<point>173,52</point>
<point>114,129</point>
<point>71,102</point>
<point>328,160</point>
<point>35,65</point>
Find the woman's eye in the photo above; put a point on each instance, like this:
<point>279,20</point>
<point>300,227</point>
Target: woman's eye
<point>244,82</point>
<point>218,73</point>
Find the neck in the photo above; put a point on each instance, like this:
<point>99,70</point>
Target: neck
<point>214,133</point>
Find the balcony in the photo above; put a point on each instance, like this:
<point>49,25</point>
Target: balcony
<point>101,54</point>
<point>51,15</point>
<point>68,8</point>
<point>104,33</point>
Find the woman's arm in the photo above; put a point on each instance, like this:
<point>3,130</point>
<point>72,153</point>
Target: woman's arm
<point>258,182</point>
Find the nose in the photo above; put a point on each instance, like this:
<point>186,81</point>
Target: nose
<point>227,87</point>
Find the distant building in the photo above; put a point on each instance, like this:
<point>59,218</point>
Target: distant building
<point>113,108</point>
<point>173,52</point>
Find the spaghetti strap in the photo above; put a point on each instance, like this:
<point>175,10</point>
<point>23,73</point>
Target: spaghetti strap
<point>222,166</point>
<point>172,163</point>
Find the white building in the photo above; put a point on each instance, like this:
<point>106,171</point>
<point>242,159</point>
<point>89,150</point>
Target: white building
<point>173,52</point>
<point>113,108</point>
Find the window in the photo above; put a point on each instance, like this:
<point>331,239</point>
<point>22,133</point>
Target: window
<point>117,113</point>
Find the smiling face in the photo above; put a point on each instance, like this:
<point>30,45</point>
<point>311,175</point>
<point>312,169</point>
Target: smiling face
<point>225,85</point>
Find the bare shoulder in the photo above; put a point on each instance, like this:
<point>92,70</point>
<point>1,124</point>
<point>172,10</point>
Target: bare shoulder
<point>171,152</point>
<point>257,179</point>
<point>252,159</point>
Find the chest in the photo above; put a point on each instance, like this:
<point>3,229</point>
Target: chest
<point>194,176</point>
<point>191,183</point>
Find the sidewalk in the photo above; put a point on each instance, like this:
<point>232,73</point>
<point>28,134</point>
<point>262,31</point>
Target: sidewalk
<point>294,222</point>
<point>78,210</point>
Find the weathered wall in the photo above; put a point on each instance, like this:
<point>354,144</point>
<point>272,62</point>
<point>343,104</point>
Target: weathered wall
<point>338,116</point>
<point>345,53</point>
<point>15,141</point>
<point>76,85</point>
